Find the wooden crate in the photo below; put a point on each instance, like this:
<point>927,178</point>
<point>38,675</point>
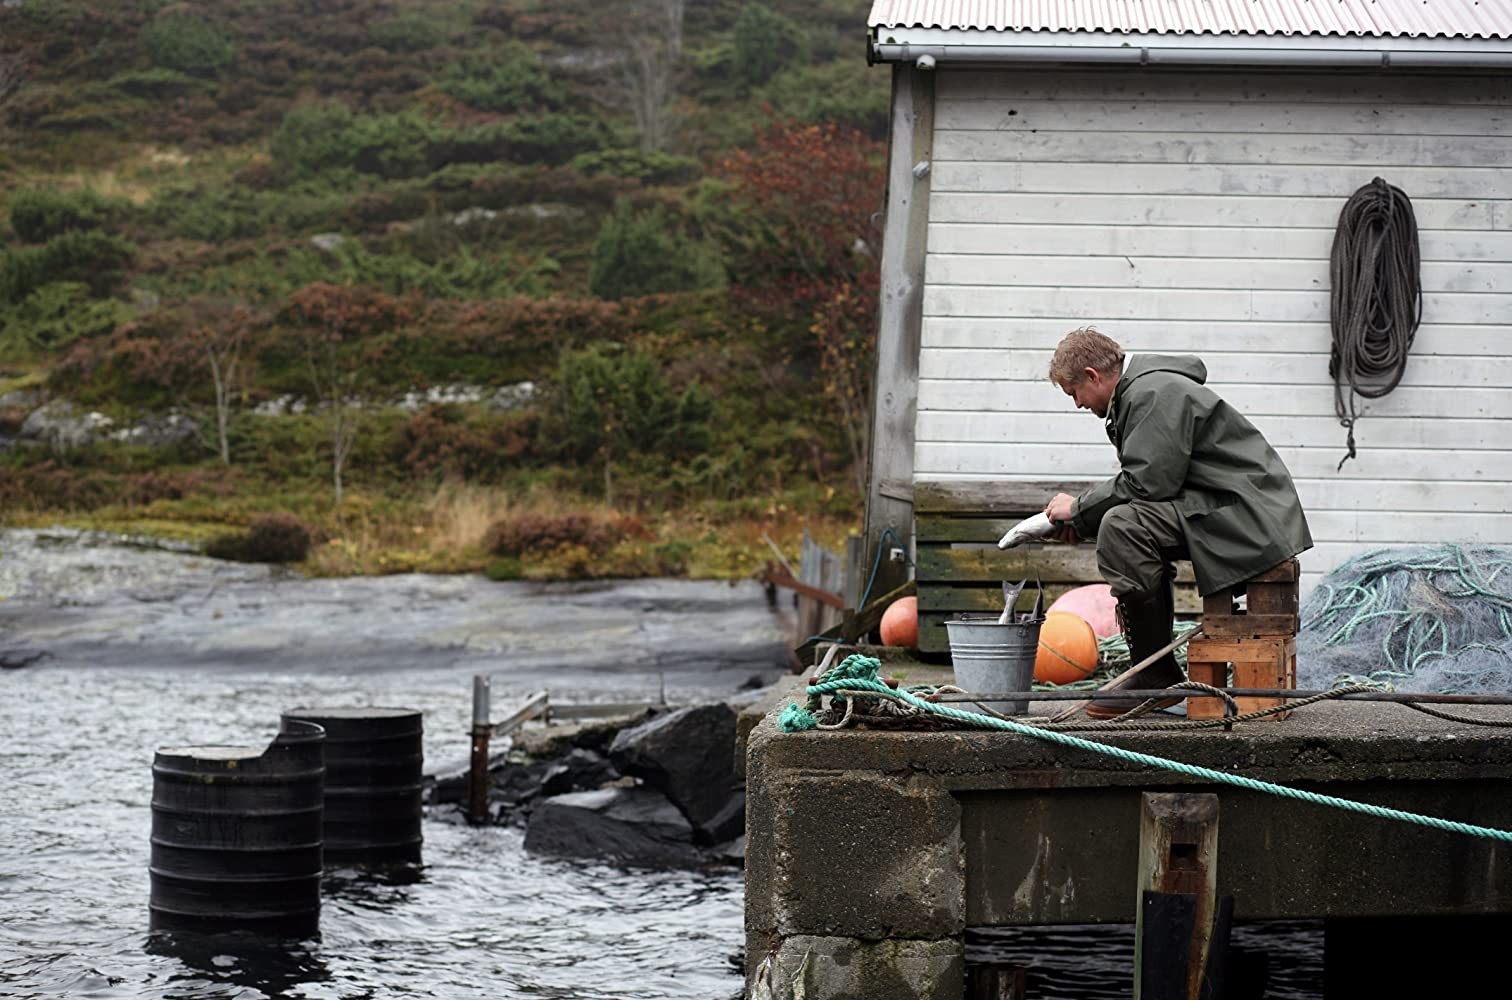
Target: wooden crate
<point>1272,605</point>
<point>1259,662</point>
<point>960,569</point>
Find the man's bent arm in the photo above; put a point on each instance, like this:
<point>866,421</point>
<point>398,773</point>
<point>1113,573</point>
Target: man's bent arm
<point>1156,451</point>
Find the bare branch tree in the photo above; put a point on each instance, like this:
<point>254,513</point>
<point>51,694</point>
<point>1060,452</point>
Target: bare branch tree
<point>218,333</point>
<point>337,385</point>
<point>649,68</point>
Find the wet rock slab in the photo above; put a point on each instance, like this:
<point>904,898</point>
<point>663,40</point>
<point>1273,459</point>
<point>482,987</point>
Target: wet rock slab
<point>633,826</point>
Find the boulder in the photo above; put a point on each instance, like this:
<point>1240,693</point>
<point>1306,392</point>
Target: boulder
<point>57,426</point>
<point>633,826</point>
<point>158,431</point>
<point>689,755</point>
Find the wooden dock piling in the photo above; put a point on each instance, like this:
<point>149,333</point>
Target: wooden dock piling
<point>1178,878</point>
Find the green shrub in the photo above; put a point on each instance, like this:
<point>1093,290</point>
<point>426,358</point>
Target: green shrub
<point>38,215</point>
<point>609,402</point>
<point>833,92</point>
<point>765,42</point>
<point>189,44</point>
<point>411,31</point>
<point>510,80</point>
<point>54,315</point>
<point>309,140</point>
<point>642,254</point>
<point>315,140</point>
<point>91,257</point>
<point>276,538</point>
<point>158,83</point>
<point>648,166</point>
<point>553,138</point>
<point>391,146</point>
<point>211,215</point>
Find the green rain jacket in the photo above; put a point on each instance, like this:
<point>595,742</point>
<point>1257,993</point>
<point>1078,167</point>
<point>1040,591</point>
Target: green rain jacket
<point>1178,441</point>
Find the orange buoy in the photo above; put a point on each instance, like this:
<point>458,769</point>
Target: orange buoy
<point>1067,649</point>
<point>900,623</point>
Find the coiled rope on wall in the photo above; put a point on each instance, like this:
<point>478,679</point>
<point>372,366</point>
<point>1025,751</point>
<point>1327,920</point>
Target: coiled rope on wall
<point>1376,298</point>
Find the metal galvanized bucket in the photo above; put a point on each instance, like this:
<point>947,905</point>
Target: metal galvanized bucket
<point>993,657</point>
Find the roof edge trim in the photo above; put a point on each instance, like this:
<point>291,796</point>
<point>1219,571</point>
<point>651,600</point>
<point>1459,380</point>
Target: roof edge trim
<point>944,45</point>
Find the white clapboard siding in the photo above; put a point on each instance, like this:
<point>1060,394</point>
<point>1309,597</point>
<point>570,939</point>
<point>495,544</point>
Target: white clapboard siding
<point>1226,87</point>
<point>1134,243</point>
<point>1094,460</point>
<point>1190,336</point>
<point>1325,149</point>
<point>1277,399</point>
<point>1227,305</point>
<point>1090,209</point>
<point>1309,368</point>
<point>1209,118</point>
<point>1195,213</point>
<point>1082,271</point>
<point>1310,432</point>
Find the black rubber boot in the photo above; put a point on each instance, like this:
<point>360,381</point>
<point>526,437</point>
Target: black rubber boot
<point>1146,619</point>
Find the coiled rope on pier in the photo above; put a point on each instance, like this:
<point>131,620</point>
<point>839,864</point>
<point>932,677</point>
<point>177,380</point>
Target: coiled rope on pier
<point>1376,298</point>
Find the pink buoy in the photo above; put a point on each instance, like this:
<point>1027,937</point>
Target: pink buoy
<point>1095,603</point>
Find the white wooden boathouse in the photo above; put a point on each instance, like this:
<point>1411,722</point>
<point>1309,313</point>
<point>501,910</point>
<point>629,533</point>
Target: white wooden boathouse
<point>1172,173</point>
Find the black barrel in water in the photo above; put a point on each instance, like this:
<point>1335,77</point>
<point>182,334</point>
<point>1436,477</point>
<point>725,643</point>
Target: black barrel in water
<point>373,792</point>
<point>236,836</point>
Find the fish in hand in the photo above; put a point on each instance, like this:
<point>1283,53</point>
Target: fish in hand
<point>1032,528</point>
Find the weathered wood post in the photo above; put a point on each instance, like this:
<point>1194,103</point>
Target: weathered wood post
<point>900,323</point>
<point>1177,884</point>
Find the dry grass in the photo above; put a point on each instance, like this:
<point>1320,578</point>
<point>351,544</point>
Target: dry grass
<point>460,514</point>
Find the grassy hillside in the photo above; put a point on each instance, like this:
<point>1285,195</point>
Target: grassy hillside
<point>555,288</point>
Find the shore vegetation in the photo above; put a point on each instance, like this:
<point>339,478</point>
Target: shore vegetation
<point>542,290</point>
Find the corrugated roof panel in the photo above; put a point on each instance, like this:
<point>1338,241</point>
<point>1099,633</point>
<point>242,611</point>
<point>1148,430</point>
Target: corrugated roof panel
<point>1365,18</point>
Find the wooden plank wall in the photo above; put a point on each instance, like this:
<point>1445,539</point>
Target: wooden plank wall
<point>1194,212</point>
<point>960,570</point>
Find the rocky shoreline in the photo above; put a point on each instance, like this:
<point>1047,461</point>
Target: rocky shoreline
<point>658,789</point>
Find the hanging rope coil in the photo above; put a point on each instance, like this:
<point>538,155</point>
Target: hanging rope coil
<point>1376,298</point>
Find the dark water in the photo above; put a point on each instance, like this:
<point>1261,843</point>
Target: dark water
<point>134,649</point>
<point>485,919</point>
<point>138,649</point>
<point>1279,960</point>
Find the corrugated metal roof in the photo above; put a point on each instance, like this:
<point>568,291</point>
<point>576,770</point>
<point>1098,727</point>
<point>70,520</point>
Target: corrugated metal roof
<point>1365,18</point>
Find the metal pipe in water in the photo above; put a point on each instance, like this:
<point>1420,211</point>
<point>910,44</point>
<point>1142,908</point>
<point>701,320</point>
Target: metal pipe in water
<point>477,775</point>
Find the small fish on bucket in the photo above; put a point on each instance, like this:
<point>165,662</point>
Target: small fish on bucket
<point>1029,529</point>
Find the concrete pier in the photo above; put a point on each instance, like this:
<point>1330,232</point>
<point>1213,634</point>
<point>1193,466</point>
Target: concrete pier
<point>869,852</point>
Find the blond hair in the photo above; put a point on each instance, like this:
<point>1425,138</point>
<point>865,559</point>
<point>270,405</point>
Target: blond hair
<point>1083,349</point>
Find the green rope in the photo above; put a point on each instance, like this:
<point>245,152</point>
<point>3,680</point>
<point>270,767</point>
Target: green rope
<point>797,720</point>
<point>871,683</point>
<point>1422,627</point>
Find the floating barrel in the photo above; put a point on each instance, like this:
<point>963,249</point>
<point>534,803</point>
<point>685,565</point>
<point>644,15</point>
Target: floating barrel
<point>373,792</point>
<point>236,835</point>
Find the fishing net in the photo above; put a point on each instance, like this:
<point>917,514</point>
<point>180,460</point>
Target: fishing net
<point>1431,618</point>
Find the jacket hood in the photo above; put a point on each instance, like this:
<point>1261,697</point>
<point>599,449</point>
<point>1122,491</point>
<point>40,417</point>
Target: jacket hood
<point>1188,365</point>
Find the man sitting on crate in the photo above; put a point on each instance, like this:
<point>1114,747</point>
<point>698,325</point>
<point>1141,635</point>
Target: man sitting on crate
<point>1196,481</point>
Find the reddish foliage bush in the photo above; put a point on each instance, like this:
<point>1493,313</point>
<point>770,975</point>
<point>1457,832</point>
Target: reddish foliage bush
<point>541,534</point>
<point>49,485</point>
<point>438,439</point>
<point>349,310</point>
